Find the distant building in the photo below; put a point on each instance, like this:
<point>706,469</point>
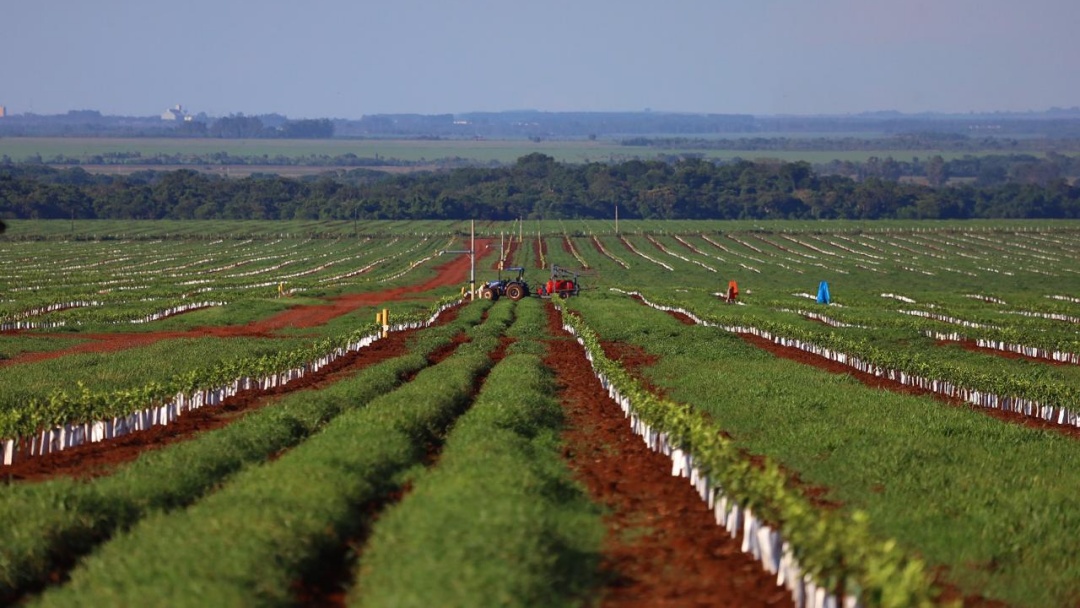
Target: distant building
<point>176,113</point>
<point>3,111</point>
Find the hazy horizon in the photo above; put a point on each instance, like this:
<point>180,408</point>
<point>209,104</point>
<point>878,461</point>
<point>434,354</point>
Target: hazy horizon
<point>337,59</point>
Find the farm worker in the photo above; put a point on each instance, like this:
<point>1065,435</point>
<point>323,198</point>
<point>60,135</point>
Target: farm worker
<point>732,291</point>
<point>281,289</point>
<point>823,294</point>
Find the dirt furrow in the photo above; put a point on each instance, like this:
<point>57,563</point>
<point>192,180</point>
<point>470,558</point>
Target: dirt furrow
<point>663,546</point>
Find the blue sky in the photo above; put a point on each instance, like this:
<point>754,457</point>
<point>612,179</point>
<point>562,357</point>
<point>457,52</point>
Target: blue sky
<point>348,58</point>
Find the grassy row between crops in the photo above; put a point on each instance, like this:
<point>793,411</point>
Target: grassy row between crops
<point>915,355</point>
<point>875,333</point>
<point>22,413</point>
<point>251,539</point>
<point>127,368</point>
<point>989,502</point>
<point>886,319</point>
<point>52,522</point>
<point>499,521</point>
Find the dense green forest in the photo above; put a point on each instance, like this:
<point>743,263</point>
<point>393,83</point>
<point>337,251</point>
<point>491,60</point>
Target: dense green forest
<point>535,187</point>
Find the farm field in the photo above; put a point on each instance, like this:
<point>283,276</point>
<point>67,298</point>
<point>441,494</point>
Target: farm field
<point>91,151</point>
<point>888,414</point>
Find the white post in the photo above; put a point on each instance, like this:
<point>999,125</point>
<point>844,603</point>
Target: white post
<point>472,259</point>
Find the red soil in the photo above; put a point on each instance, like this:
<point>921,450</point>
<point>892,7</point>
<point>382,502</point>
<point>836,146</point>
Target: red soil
<point>454,272</point>
<point>663,546</point>
<point>511,250</point>
<point>634,359</point>
<point>566,245</point>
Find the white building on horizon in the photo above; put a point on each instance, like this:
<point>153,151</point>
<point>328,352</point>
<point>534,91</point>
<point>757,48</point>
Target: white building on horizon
<point>176,113</point>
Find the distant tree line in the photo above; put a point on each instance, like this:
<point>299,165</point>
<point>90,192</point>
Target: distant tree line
<point>536,186</point>
<point>239,126</point>
<point>982,170</point>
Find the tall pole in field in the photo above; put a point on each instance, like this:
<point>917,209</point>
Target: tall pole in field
<point>472,259</point>
<point>616,219</point>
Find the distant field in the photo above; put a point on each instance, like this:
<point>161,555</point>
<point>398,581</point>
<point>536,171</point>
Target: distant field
<point>483,151</point>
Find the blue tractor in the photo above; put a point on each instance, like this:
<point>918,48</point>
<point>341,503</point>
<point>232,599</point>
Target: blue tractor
<point>515,288</point>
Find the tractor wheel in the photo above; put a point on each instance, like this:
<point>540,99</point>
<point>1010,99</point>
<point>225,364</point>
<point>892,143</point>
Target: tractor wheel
<point>564,294</point>
<point>515,291</point>
<point>487,293</point>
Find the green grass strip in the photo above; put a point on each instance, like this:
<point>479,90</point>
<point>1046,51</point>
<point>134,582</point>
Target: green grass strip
<point>247,542</point>
<point>499,521</point>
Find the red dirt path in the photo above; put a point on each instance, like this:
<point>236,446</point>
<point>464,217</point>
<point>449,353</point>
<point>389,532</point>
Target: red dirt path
<point>454,272</point>
<point>511,250</point>
<point>663,546</point>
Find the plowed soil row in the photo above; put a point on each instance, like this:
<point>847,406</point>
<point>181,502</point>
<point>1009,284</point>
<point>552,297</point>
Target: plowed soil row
<point>511,251</point>
<point>663,546</point>
<point>96,459</point>
<point>454,272</point>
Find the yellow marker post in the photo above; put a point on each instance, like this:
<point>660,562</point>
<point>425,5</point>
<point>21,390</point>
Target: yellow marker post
<point>385,322</point>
